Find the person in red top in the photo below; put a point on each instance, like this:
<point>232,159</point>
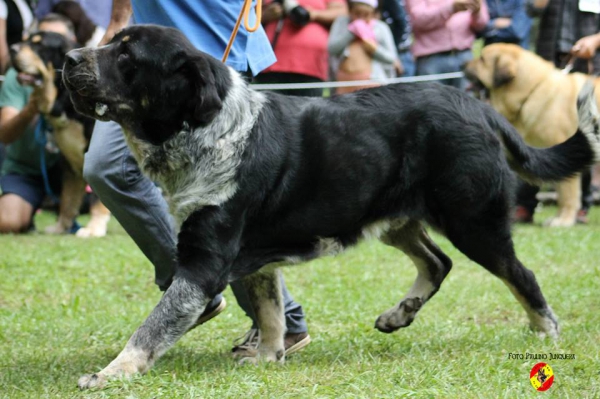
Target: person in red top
<point>298,31</point>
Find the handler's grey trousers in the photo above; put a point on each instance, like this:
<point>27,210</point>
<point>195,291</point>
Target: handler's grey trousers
<point>138,205</point>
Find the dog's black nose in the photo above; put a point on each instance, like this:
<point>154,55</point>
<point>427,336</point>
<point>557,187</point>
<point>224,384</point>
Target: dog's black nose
<point>73,58</point>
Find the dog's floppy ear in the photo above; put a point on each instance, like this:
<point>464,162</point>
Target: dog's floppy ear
<point>207,99</point>
<point>505,70</point>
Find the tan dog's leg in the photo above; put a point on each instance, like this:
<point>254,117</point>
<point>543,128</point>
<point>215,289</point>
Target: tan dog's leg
<point>71,198</point>
<point>71,140</point>
<point>96,227</point>
<point>569,202</point>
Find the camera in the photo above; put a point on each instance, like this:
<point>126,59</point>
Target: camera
<point>295,12</point>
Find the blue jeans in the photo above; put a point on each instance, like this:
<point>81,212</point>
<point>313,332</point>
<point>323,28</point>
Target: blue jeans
<point>408,62</point>
<point>446,62</point>
<point>139,206</point>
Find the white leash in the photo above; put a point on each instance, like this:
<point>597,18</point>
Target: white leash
<point>323,85</point>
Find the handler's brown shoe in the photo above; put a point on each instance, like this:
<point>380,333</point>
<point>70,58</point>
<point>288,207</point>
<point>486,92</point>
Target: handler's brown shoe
<point>522,215</point>
<point>248,344</point>
<point>582,216</point>
<point>294,342</point>
<point>210,313</point>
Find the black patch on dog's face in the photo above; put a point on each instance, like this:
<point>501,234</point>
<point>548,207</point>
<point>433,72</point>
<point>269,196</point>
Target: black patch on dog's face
<point>149,79</point>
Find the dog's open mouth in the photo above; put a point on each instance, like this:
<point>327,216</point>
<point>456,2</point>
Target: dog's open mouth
<point>29,79</point>
<point>28,73</point>
<point>477,87</point>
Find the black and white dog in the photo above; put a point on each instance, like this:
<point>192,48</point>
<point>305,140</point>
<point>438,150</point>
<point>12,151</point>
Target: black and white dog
<point>260,180</point>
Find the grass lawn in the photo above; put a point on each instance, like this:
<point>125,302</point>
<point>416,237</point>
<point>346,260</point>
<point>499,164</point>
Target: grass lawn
<point>68,306</point>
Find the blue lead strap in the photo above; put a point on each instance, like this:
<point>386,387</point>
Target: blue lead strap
<point>40,138</point>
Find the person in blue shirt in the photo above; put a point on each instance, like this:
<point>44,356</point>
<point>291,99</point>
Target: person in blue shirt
<point>509,23</point>
<point>133,198</point>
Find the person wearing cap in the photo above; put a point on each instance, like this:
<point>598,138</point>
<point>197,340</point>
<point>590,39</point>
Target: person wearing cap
<point>363,45</point>
<point>444,33</point>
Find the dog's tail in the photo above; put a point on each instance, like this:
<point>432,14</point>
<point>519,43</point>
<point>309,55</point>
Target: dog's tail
<point>555,163</point>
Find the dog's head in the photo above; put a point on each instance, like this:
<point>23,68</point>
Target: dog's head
<point>37,58</point>
<point>497,66</point>
<point>149,79</point>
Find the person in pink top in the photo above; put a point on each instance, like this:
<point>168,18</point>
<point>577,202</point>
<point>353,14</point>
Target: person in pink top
<point>298,31</point>
<point>444,31</point>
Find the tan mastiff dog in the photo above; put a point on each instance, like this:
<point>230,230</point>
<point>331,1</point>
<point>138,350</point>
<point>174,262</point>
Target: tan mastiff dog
<point>36,60</point>
<point>539,100</point>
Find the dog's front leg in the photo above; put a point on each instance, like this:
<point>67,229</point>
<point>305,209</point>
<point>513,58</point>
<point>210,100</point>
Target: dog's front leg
<point>176,312</point>
<point>264,293</point>
<point>207,245</point>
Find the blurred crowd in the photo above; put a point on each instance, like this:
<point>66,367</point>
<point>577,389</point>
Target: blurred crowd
<point>320,40</point>
<point>343,40</point>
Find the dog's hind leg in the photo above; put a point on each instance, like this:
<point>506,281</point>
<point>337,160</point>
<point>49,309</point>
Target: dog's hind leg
<point>432,266</point>
<point>264,294</point>
<point>486,240</point>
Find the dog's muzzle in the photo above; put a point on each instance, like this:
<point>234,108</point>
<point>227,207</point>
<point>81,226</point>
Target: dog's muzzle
<point>73,58</point>
<point>77,75</point>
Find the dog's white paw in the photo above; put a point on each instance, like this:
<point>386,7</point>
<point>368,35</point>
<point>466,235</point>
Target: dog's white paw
<point>90,381</point>
<point>249,360</point>
<point>265,356</point>
<point>544,324</point>
<point>86,232</point>
<point>56,229</point>
<point>560,222</point>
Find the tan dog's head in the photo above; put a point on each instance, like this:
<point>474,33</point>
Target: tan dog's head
<point>36,60</point>
<point>38,56</point>
<point>497,66</point>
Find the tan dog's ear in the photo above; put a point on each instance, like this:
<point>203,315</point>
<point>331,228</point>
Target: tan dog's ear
<point>505,70</point>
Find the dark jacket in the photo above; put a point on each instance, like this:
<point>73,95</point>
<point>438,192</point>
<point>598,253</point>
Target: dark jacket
<point>561,25</point>
<point>394,14</point>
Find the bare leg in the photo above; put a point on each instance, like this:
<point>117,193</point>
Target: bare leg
<point>15,214</point>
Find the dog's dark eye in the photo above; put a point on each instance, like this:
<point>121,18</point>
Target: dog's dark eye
<point>123,57</point>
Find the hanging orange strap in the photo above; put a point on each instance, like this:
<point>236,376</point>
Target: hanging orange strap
<point>244,13</point>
